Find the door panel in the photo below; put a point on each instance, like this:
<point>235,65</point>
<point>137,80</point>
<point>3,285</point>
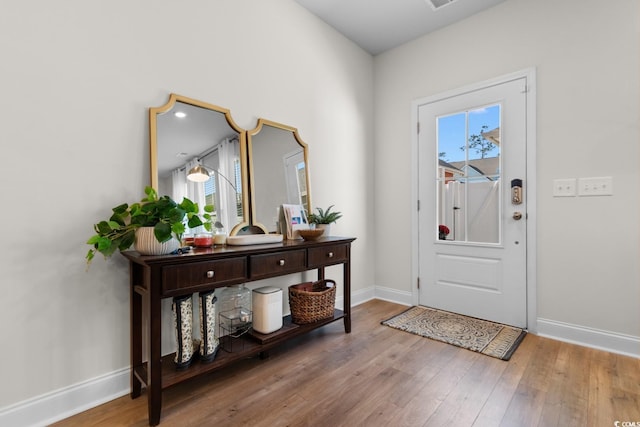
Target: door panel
<point>469,272</point>
<point>470,147</point>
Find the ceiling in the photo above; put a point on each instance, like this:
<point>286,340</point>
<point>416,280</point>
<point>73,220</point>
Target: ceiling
<point>380,25</point>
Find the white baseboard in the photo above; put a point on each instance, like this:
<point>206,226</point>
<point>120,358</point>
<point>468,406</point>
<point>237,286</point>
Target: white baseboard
<point>359,297</point>
<point>613,342</point>
<point>393,295</point>
<point>60,404</point>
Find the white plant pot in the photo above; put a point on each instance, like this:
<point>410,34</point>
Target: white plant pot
<point>326,228</point>
<point>147,244</point>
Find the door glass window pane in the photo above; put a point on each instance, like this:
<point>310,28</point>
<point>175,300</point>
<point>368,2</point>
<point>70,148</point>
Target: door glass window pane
<point>468,176</point>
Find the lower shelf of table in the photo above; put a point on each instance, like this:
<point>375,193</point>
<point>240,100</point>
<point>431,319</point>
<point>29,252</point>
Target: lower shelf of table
<point>252,344</point>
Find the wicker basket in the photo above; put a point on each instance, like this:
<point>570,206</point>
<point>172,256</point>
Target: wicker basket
<point>312,301</point>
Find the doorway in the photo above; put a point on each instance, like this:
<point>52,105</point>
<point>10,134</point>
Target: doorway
<point>476,192</point>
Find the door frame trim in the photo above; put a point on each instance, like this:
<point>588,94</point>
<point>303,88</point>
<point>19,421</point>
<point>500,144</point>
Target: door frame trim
<point>531,192</point>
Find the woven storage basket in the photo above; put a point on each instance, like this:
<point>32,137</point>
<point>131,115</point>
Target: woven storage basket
<point>312,301</point>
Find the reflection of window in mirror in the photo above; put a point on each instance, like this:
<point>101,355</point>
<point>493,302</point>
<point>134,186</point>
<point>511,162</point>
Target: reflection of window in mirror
<point>295,177</point>
<point>468,175</point>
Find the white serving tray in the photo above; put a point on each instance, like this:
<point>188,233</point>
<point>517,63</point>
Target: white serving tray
<point>254,239</point>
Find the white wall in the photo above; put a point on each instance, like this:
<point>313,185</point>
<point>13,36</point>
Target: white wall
<point>586,54</point>
<point>77,78</point>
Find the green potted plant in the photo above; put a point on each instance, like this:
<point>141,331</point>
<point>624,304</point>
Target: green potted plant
<point>161,215</point>
<point>324,218</point>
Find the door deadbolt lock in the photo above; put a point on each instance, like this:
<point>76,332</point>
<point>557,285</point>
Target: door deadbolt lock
<point>517,216</point>
<point>516,191</point>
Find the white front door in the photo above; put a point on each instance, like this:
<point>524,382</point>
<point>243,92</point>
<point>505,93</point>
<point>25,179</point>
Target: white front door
<point>472,190</point>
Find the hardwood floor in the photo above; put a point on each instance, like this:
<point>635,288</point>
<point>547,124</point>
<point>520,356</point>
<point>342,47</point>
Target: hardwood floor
<point>379,376</point>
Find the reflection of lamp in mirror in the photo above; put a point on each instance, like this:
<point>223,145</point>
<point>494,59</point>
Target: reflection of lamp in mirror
<point>201,173</point>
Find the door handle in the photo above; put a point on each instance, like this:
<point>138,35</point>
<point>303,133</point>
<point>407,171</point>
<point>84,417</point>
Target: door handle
<point>517,216</point>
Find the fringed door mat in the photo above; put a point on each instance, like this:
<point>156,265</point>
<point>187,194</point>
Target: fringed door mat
<point>482,336</point>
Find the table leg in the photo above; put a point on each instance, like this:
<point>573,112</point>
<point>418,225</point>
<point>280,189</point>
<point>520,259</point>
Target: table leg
<point>346,270</point>
<point>135,333</point>
<point>154,364</point>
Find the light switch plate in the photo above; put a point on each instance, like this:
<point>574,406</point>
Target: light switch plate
<point>564,187</point>
<point>596,186</point>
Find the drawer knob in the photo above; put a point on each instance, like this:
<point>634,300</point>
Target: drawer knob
<point>281,262</point>
<point>330,254</point>
<point>210,274</point>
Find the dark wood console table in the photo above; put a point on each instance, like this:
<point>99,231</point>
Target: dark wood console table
<point>153,278</point>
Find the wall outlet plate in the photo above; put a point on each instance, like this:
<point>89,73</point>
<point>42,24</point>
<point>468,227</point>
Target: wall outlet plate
<point>564,187</point>
<point>596,186</point>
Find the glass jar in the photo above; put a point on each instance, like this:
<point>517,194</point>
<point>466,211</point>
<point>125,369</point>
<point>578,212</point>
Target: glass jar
<point>220,238</point>
<point>234,308</point>
<point>188,240</point>
<point>203,240</point>
<point>235,296</point>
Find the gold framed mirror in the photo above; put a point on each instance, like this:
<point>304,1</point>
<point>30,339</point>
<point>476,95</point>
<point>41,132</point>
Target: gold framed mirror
<point>185,133</point>
<point>279,172</point>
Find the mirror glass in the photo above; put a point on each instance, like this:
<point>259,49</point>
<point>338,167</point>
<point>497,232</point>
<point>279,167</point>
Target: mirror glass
<point>185,133</point>
<point>279,172</point>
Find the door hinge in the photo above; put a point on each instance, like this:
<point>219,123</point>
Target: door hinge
<point>418,207</point>
<point>418,127</point>
<point>418,282</point>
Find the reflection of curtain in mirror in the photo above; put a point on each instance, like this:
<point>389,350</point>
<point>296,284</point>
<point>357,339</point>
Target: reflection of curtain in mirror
<point>228,152</point>
<point>181,187</point>
<point>224,184</point>
<point>212,187</point>
<point>178,184</point>
<point>194,191</point>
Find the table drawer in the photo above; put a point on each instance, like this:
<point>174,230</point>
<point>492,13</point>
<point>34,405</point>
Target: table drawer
<point>277,263</point>
<point>327,255</point>
<point>177,279</point>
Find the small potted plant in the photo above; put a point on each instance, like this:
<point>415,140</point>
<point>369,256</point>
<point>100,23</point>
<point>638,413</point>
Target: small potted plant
<point>161,216</point>
<point>324,219</point>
